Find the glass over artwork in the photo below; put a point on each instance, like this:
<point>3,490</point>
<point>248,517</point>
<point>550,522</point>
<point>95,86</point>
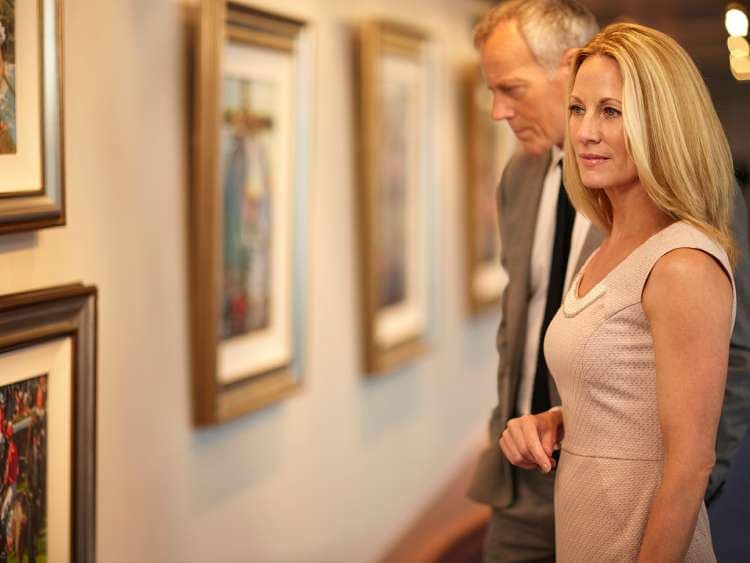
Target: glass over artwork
<point>487,177</point>
<point>8,133</point>
<point>393,150</point>
<point>246,149</point>
<point>23,462</point>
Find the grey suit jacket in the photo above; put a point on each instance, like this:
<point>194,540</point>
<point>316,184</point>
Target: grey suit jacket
<point>735,412</point>
<point>518,204</point>
<point>518,199</point>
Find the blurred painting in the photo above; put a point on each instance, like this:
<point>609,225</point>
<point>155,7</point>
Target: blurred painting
<point>489,147</point>
<point>7,77</point>
<point>23,462</point>
<point>248,130</point>
<point>249,208</point>
<point>393,186</point>
<point>396,154</point>
<point>488,171</point>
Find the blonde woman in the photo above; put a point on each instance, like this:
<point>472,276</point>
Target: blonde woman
<point>639,347</point>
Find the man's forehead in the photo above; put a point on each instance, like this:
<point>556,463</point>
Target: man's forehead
<point>505,55</point>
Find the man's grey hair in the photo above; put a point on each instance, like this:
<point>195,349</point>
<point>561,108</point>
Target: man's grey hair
<point>549,27</point>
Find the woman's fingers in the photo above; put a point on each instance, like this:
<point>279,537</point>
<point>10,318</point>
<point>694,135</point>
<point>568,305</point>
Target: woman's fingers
<point>509,448</point>
<point>521,444</point>
<point>531,433</point>
<point>516,432</point>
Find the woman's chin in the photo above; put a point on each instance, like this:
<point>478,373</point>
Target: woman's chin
<point>593,184</point>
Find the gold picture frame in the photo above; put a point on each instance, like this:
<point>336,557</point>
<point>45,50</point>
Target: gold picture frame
<point>489,145</point>
<point>249,209</point>
<point>32,187</point>
<point>392,196</point>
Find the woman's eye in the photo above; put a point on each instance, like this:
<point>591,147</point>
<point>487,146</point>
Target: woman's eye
<point>575,109</point>
<point>611,112</point>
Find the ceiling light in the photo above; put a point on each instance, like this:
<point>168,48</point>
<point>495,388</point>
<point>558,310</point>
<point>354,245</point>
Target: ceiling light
<point>740,67</point>
<point>736,20</point>
<point>738,46</point>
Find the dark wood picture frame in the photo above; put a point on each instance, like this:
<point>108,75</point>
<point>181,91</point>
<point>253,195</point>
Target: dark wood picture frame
<point>26,210</point>
<point>70,311</point>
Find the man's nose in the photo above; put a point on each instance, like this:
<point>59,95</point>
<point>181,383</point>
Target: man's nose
<point>501,108</point>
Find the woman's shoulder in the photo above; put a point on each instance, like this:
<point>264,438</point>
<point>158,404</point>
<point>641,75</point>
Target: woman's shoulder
<point>684,277</point>
<point>686,252</point>
<point>679,257</point>
<point>683,235</point>
<point>686,263</point>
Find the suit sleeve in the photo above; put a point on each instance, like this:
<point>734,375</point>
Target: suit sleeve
<point>735,412</point>
<point>500,197</point>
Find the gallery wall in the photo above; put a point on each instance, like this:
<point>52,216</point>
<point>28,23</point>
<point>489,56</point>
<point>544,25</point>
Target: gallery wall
<point>334,473</point>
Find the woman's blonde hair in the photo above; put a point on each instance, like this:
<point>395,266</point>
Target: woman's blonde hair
<point>672,133</point>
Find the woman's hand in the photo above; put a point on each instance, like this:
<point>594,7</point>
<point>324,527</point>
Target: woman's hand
<point>528,441</point>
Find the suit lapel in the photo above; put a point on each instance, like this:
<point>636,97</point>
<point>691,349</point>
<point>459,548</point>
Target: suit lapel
<point>527,190</point>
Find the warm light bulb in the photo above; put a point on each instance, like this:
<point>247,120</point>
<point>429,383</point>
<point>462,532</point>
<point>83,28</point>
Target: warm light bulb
<point>740,67</point>
<point>736,22</point>
<point>738,46</point>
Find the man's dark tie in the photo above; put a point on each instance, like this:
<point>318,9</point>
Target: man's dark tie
<point>540,400</point>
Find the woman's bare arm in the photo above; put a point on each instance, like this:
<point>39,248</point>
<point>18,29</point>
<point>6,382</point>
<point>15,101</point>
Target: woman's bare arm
<point>688,301</point>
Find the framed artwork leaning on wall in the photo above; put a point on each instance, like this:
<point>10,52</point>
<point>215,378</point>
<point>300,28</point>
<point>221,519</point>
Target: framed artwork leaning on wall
<point>249,208</point>
<point>48,424</point>
<point>32,191</point>
<point>395,118</point>
<point>489,145</point>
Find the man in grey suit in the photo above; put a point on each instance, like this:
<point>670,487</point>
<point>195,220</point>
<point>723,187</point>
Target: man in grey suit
<point>525,48</point>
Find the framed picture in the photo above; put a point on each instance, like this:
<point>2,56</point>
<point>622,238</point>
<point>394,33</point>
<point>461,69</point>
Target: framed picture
<point>394,155</point>
<point>48,425</point>
<point>32,194</point>
<point>249,209</point>
<point>489,145</point>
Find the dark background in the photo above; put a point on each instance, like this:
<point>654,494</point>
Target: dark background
<point>698,25</point>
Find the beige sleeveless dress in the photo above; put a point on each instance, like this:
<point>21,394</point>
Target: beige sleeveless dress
<point>600,352</point>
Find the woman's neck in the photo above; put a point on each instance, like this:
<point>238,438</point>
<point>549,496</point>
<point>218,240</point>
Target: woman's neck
<point>634,215</point>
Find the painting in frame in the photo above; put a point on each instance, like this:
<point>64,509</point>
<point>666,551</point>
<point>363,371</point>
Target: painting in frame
<point>32,194</point>
<point>393,114</point>
<point>48,422</point>
<point>489,145</point>
<point>249,209</point>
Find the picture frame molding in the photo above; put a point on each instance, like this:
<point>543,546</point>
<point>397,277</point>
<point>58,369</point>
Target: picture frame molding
<point>27,210</point>
<point>219,22</point>
<point>474,150</point>
<point>376,38</point>
<point>34,317</point>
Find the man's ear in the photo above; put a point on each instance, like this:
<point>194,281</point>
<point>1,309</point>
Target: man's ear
<point>568,56</point>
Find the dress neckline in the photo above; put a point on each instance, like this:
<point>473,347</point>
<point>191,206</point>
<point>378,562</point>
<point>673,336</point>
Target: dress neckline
<point>574,303</point>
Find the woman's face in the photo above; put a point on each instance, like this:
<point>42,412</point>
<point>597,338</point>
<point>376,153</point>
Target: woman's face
<point>595,125</point>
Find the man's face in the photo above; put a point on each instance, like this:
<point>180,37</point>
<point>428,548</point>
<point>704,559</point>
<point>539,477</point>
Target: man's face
<point>530,97</point>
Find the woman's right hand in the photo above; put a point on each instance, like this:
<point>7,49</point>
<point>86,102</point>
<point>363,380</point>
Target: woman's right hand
<point>528,441</point>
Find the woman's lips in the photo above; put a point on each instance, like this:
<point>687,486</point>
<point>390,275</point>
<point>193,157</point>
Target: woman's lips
<point>591,160</point>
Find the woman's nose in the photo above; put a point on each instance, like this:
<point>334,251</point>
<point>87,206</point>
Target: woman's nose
<point>588,132</point>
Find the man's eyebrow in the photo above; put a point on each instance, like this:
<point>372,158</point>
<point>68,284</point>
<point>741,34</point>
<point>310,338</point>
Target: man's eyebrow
<point>509,82</point>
